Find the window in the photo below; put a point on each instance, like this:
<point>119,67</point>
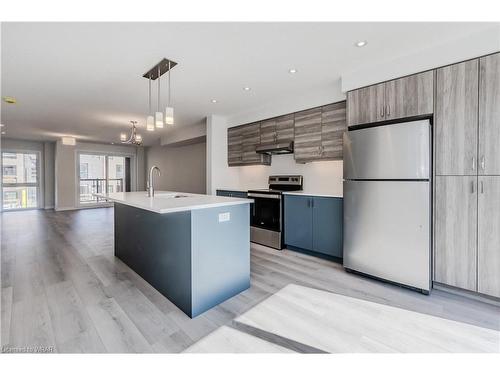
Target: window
<point>84,170</point>
<point>20,188</point>
<point>100,174</point>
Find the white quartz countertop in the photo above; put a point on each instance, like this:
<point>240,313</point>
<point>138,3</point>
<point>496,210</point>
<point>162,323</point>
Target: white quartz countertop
<point>313,194</point>
<point>165,202</point>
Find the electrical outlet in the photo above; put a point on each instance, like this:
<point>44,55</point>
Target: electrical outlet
<point>225,216</point>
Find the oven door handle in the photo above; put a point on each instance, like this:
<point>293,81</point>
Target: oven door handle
<point>271,196</point>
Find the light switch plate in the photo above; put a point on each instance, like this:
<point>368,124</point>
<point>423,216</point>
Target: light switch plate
<point>225,216</point>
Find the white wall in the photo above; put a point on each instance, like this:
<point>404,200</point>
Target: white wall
<point>66,197</point>
<point>49,152</point>
<point>321,177</point>
<point>434,56</point>
<point>219,175</point>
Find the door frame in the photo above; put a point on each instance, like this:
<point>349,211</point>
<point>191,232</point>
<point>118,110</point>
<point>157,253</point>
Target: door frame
<point>107,154</point>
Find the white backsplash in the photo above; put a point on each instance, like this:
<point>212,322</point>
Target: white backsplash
<point>321,177</point>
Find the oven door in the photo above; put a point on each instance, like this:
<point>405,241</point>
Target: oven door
<point>266,211</point>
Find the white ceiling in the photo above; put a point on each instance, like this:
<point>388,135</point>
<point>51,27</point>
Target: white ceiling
<point>85,79</point>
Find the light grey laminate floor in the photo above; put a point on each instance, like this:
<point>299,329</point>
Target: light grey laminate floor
<point>63,290</point>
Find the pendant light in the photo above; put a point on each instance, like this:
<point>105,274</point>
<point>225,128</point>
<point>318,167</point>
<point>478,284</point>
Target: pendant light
<point>150,120</point>
<point>158,114</point>
<point>134,138</point>
<point>169,110</point>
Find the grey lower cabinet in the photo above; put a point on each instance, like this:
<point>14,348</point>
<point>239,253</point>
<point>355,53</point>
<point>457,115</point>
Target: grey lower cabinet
<point>488,251</point>
<point>455,247</point>
<point>314,223</point>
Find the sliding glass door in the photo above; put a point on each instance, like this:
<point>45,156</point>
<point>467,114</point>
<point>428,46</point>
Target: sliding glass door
<point>20,180</point>
<point>100,173</point>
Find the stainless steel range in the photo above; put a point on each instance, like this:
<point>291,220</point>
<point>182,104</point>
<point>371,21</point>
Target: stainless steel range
<point>266,213</point>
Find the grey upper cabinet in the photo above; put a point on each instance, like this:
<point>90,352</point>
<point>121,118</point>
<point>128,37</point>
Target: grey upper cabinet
<point>333,126</point>
<point>489,115</point>
<point>277,130</point>
<point>409,96</point>
<point>285,128</point>
<point>404,97</point>
<point>241,144</point>
<point>455,250</point>
<point>268,132</point>
<point>251,139</point>
<point>307,135</point>
<point>366,105</point>
<point>456,119</point>
<point>488,256</point>
<point>234,146</point>
<point>319,133</point>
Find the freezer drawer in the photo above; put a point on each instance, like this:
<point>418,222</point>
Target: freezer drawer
<point>386,230</point>
<point>398,151</point>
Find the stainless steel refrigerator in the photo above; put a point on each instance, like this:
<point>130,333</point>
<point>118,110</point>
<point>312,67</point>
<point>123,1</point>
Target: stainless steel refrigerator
<point>387,202</point>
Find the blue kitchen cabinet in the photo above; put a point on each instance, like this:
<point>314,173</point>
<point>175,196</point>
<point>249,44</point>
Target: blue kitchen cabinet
<point>314,224</point>
<point>298,221</point>
<point>327,218</point>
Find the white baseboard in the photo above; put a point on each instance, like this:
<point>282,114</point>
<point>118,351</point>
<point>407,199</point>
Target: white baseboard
<point>65,208</point>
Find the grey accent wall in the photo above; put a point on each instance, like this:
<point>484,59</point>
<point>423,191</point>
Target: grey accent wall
<point>183,168</point>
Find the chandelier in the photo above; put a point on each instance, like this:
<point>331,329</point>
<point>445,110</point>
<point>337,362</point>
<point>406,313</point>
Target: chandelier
<point>134,138</point>
<point>157,120</point>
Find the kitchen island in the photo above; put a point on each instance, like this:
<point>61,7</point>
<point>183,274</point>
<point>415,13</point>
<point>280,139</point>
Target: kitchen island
<point>192,248</point>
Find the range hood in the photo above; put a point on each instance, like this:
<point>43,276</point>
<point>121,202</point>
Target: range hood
<point>275,148</point>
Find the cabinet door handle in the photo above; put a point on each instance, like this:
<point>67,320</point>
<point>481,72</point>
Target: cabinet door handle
<point>388,110</point>
<point>308,202</point>
<point>312,202</point>
<point>382,111</point>
<point>483,162</point>
<point>472,187</point>
<point>473,163</point>
<point>482,187</point>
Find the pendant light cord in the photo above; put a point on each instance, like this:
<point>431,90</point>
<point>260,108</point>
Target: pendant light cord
<point>158,88</point>
<point>169,83</point>
<point>149,101</point>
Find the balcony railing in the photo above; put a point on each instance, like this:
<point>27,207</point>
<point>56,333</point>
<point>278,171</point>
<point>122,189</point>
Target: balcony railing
<point>90,186</point>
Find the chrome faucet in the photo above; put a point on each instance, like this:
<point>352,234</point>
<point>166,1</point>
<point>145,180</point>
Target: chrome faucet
<point>150,184</point>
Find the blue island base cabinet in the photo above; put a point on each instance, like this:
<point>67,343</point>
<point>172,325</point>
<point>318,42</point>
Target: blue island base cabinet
<point>314,224</point>
<point>190,257</point>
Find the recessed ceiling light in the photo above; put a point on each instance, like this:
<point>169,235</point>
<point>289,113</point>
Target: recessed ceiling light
<point>292,71</point>
<point>214,100</point>
<point>361,43</point>
<point>3,133</point>
<point>112,143</point>
<point>246,88</point>
<point>2,125</point>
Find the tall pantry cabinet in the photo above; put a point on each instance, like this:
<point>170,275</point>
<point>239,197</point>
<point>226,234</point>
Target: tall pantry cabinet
<point>467,168</point>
